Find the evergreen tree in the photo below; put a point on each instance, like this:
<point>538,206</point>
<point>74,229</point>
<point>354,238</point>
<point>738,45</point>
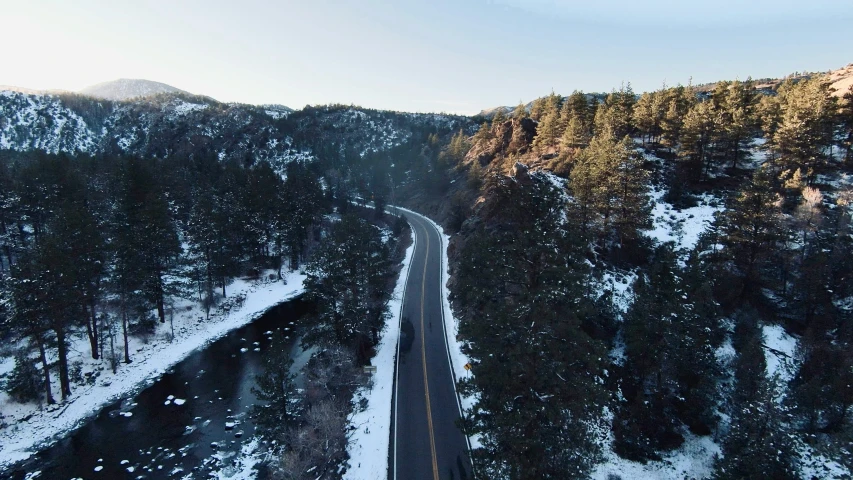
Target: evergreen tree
<point>695,155</point>
<point>519,112</point>
<point>346,277</point>
<point>499,117</point>
<point>279,406</point>
<point>678,102</point>
<point>804,134</point>
<point>614,116</point>
<point>670,333</point>
<point>24,384</point>
<point>521,281</point>
<point>547,132</point>
<point>758,445</point>
<point>750,227</point>
<point>609,182</point>
<point>846,123</point>
<point>739,119</point>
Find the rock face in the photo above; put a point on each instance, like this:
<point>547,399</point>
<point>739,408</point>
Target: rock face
<point>128,88</point>
<point>842,80</point>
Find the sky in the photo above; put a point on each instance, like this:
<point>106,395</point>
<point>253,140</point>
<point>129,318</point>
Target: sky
<point>456,56</point>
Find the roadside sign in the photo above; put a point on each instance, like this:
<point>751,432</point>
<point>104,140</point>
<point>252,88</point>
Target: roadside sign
<point>369,369</point>
<point>467,366</point>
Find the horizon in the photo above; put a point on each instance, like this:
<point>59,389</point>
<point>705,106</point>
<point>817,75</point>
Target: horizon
<point>442,57</point>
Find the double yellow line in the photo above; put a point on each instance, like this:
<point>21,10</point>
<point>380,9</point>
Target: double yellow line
<point>423,359</point>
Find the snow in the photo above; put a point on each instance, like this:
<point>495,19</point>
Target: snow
<point>23,438</point>
<point>815,465</point>
<point>694,459</point>
<point>779,352</point>
<point>681,226</point>
<point>369,442</point>
<point>181,107</point>
<point>621,283</point>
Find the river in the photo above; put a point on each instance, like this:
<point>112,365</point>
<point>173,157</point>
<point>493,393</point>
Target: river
<point>191,422</point>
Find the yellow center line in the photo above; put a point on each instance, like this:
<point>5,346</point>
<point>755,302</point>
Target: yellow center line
<point>423,358</point>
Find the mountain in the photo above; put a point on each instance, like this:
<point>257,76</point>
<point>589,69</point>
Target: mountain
<point>490,112</point>
<point>128,88</point>
<point>188,125</point>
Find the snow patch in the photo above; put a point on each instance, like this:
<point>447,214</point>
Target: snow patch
<point>681,226</point>
<point>779,350</point>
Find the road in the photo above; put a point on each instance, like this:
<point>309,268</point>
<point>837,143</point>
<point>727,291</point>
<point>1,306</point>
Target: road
<point>425,440</point>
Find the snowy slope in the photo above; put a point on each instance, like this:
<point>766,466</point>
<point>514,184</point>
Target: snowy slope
<point>43,122</point>
<point>128,88</point>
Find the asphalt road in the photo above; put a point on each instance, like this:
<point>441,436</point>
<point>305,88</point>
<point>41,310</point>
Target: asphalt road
<point>425,440</point>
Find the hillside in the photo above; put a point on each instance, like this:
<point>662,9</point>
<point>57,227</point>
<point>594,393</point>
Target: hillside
<point>660,281</point>
<point>182,124</point>
<point>128,88</point>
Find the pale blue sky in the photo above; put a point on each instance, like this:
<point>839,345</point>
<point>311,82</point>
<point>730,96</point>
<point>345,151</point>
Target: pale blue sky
<point>439,55</point>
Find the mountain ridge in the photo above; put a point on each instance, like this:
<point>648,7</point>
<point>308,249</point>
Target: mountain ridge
<point>128,88</point>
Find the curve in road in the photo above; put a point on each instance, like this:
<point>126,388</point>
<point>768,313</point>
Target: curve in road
<point>427,443</point>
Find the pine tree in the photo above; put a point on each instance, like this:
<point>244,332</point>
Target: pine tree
<point>750,227</point>
<point>519,112</point>
<point>614,116</point>
<point>576,133</point>
<point>547,132</point>
<point>346,277</point>
<point>678,102</point>
<point>279,407</point>
<point>758,445</point>
<point>646,117</point>
<point>499,118</point>
<point>846,123</point>
<point>739,119</point>
<point>670,333</point>
<point>609,182</point>
<point>520,284</point>
<point>804,134</point>
<point>695,155</point>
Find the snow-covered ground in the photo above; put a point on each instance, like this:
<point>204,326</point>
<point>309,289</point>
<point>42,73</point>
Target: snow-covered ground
<point>369,441</point>
<point>779,351</point>
<point>694,459</point>
<point>681,226</point>
<point>31,429</point>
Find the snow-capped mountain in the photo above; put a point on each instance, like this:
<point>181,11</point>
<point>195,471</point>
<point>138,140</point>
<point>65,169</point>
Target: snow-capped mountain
<point>128,88</point>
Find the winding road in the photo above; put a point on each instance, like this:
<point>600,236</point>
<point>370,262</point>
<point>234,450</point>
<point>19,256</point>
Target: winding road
<point>426,442</point>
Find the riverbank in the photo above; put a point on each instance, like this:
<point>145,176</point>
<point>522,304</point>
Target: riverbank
<point>30,429</point>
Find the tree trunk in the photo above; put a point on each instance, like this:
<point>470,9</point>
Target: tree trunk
<point>62,350</point>
<point>45,370</point>
<point>124,332</point>
<point>159,292</point>
<point>161,312</point>
<point>113,361</point>
<point>92,330</point>
<point>101,340</point>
